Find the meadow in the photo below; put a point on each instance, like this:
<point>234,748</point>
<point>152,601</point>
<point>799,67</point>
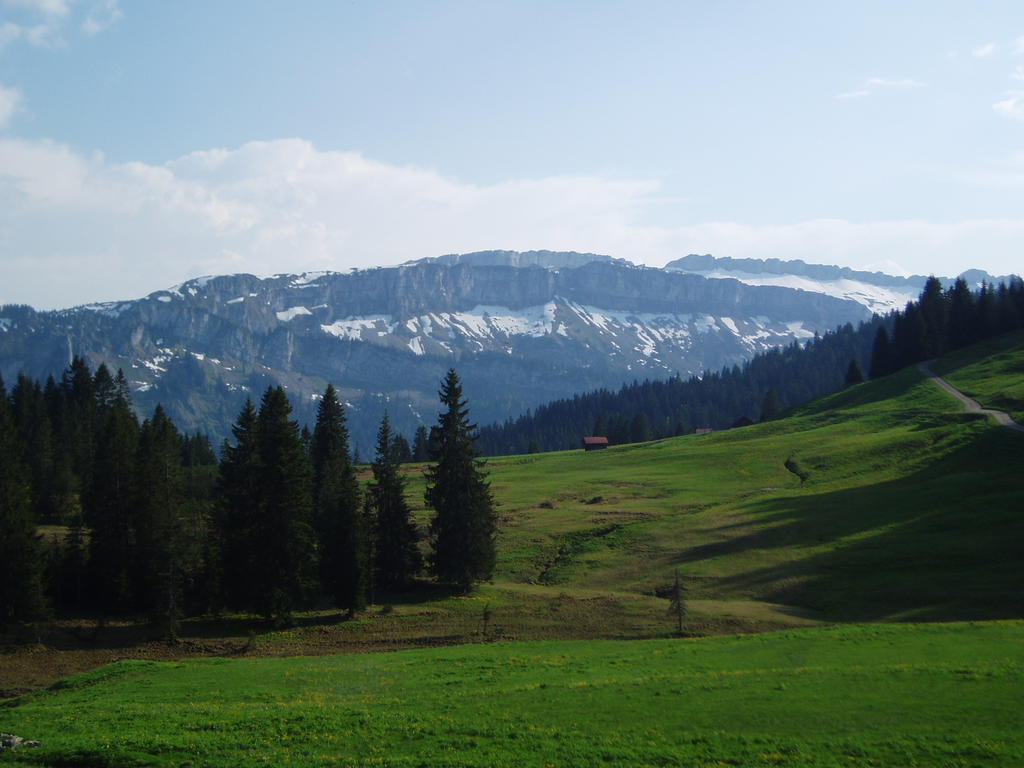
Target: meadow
<point>991,372</point>
<point>881,503</point>
<point>873,695</point>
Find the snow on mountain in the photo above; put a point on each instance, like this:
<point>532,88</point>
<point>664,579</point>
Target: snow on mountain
<point>877,298</point>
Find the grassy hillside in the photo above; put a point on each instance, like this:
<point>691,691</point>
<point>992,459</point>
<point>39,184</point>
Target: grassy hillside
<point>991,372</point>
<point>908,510</point>
<point>896,695</point>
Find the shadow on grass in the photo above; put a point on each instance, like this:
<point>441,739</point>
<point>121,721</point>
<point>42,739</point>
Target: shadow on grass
<point>943,543</point>
<point>232,631</point>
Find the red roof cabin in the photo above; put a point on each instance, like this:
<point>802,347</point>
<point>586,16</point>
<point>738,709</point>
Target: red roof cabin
<point>594,443</point>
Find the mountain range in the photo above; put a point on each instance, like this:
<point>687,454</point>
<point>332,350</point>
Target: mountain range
<point>522,328</point>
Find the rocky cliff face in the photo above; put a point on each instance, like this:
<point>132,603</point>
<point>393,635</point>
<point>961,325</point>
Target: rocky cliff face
<point>518,335</point>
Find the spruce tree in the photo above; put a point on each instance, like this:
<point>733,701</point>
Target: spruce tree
<point>463,528</point>
<point>21,560</point>
<point>160,557</point>
<point>396,557</point>
<point>770,406</point>
<point>881,354</point>
<point>110,508</point>
<point>420,445</point>
<point>238,502</point>
<point>339,520</point>
<point>854,375</point>
<point>283,539</point>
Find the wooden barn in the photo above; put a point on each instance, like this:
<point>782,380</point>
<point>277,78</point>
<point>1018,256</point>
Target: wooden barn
<point>594,443</point>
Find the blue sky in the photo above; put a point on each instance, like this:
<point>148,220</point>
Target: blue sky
<point>142,143</point>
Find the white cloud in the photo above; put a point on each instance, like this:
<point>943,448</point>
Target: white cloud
<point>102,15</point>
<point>1018,73</point>
<point>45,22</point>
<point>1012,107</point>
<point>9,32</point>
<point>45,7</point>
<point>874,83</point>
<point>1018,46</point>
<point>983,51</point>
<point>77,228</point>
<point>10,98</point>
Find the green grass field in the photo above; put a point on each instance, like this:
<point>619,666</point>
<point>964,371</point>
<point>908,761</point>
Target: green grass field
<point>991,372</point>
<point>880,503</point>
<point>909,510</point>
<point>870,695</point>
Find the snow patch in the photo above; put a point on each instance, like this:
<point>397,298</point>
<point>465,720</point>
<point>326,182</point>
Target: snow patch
<point>877,298</point>
<point>310,277</point>
<point>353,327</point>
<point>291,313</point>
<point>416,345</point>
<point>235,300</point>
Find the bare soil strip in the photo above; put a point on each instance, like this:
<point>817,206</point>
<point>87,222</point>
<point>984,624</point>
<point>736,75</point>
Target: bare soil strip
<point>972,406</point>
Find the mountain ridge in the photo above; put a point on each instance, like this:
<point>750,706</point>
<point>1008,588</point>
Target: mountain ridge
<point>519,335</point>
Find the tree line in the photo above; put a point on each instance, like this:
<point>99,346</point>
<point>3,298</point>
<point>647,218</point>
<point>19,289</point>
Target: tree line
<point>772,381</point>
<point>155,524</point>
<point>942,320</point>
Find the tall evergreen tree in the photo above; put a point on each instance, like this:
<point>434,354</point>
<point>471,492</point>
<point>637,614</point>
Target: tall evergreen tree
<point>160,558</point>
<point>420,445</point>
<point>339,520</point>
<point>111,508</point>
<point>21,562</point>
<point>396,557</point>
<point>33,425</point>
<point>463,529</point>
<point>284,542</point>
<point>238,504</point>
<point>881,354</point>
<point>854,375</point>
<point>770,406</point>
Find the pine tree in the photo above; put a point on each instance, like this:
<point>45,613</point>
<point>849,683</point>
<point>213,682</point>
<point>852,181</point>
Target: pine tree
<point>396,556</point>
<point>284,542</point>
<point>770,406</point>
<point>338,516</point>
<point>238,503</point>
<point>160,558</point>
<point>420,446</point>
<point>110,508</point>
<point>463,529</point>
<point>854,375</point>
<point>881,354</point>
<point>21,560</point>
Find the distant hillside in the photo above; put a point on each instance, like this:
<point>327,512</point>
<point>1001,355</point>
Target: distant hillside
<point>877,291</point>
<point>520,336</point>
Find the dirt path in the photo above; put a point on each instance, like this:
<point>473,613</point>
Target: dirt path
<point>972,406</point>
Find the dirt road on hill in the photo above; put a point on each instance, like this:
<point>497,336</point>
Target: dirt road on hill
<point>972,406</point>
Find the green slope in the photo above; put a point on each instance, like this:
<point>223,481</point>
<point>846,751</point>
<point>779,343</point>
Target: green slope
<point>991,372</point>
<point>896,695</point>
<point>910,508</point>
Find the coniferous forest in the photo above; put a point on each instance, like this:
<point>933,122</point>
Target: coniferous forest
<point>153,522</point>
<point>941,320</point>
